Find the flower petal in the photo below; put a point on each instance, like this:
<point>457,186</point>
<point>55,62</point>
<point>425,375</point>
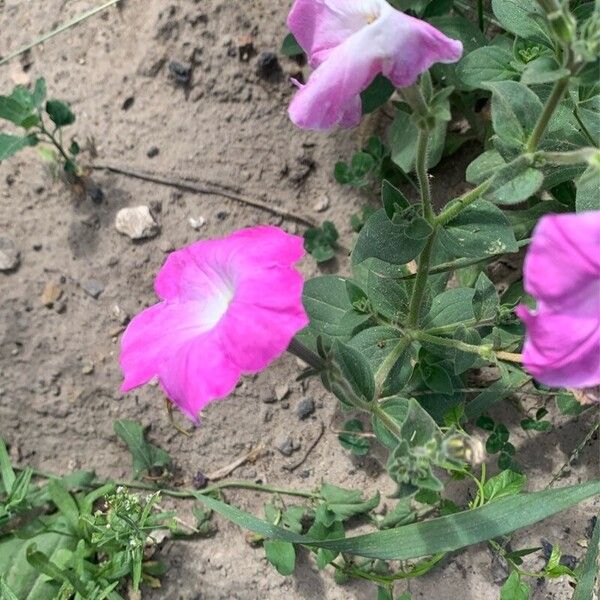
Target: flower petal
<point>199,372</point>
<point>414,46</point>
<point>153,336</point>
<point>563,258</point>
<point>562,350</point>
<point>321,25</point>
<point>264,316</point>
<point>336,84</point>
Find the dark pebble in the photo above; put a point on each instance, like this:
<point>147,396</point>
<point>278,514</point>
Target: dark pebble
<point>96,194</point>
<point>200,481</point>
<point>152,152</point>
<point>180,72</point>
<point>267,65</point>
<point>128,103</point>
<point>305,408</point>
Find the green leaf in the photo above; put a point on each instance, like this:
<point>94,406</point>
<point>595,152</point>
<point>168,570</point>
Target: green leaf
<point>358,445</point>
<point>281,555</point>
<point>506,483</point>
<point>588,112</point>
<point>7,473</point>
<point>514,182</point>
<point>60,113</point>
<point>511,379</point>
<point>490,63</point>
<point>377,94</point>
<point>443,534</point>
<point>11,144</point>
<point>436,378</point>
<point>14,109</point>
<point>532,425</point>
<point>588,185</point>
<point>320,242</point>
<point>587,571</point>
<point>480,229</point>
<point>356,370</point>
<point>465,360</point>
<point>389,297</point>
<point>514,588</point>
<point>380,345</point>
<point>290,46</point>
<point>397,408</point>
<point>515,111</point>
<point>39,92</point>
<point>25,580</point>
<point>544,69</point>
<point>568,405</point>
<point>65,503</point>
<point>484,166</point>
<point>452,306</point>
<point>347,503</point>
<point>519,17</point>
<point>403,135</point>
<point>523,221</point>
<point>42,563</point>
<point>330,310</point>
<point>485,299</point>
<point>380,238</point>
<point>394,201</point>
<point>6,593</point>
<point>145,455</point>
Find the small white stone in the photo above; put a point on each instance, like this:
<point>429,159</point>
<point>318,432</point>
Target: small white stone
<point>197,223</point>
<point>136,222</point>
<point>281,391</point>
<point>322,204</point>
<point>9,255</point>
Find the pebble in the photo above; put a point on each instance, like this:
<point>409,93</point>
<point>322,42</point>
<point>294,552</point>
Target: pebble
<point>9,255</point>
<point>52,292</point>
<point>267,65</point>
<point>136,222</point>
<point>268,398</point>
<point>96,194</point>
<point>167,246</point>
<point>305,408</point>
<point>322,204</point>
<point>122,316</point>
<point>287,446</point>
<point>267,415</point>
<point>197,223</point>
<point>88,368</point>
<point>180,72</point>
<point>281,391</point>
<point>152,152</point>
<point>200,480</point>
<point>92,287</point>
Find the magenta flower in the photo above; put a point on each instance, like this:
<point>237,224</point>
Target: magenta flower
<point>229,306</point>
<point>349,42</point>
<point>562,272</point>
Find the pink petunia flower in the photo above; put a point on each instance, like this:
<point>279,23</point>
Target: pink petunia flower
<point>349,42</point>
<point>229,306</point>
<point>562,272</point>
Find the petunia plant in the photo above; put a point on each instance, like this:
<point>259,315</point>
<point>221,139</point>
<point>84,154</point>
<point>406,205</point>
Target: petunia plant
<point>398,336</point>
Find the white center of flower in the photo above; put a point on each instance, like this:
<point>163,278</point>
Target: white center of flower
<point>371,19</point>
<point>217,304</point>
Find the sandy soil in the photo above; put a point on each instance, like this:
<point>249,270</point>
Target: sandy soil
<point>226,127</point>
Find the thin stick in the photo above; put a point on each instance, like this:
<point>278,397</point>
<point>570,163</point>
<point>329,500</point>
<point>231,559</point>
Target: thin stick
<point>295,465</point>
<point>59,29</point>
<point>197,189</point>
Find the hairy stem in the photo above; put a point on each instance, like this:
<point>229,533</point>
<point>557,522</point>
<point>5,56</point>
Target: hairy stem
<point>458,205</point>
<point>416,301</point>
<point>560,87</point>
<point>423,175</point>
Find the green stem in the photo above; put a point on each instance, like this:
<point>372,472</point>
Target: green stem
<point>416,301</point>
<point>388,363</point>
<point>560,87</point>
<point>458,205</point>
<point>53,140</point>
<point>423,175</point>
<point>453,265</point>
<point>480,15</point>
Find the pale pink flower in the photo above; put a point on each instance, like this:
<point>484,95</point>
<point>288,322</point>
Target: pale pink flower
<point>562,273</point>
<point>349,42</point>
<point>229,306</point>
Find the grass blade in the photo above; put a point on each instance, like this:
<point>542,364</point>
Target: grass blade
<point>443,534</point>
<point>589,576</point>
